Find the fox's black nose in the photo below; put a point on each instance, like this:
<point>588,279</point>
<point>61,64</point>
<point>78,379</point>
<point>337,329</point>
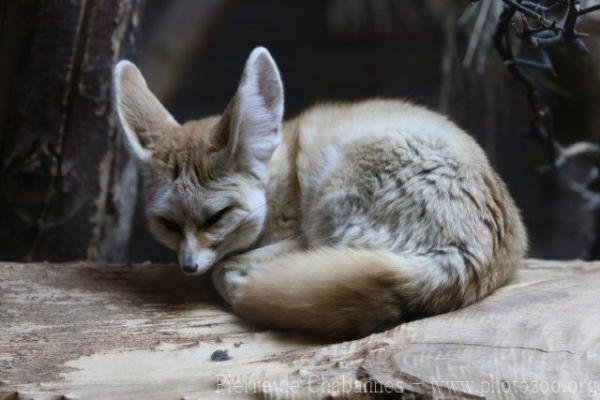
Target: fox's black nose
<point>189,269</point>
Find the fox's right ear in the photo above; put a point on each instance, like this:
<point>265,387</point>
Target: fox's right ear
<point>141,115</point>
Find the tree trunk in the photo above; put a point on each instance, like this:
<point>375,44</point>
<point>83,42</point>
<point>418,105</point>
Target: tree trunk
<point>66,187</point>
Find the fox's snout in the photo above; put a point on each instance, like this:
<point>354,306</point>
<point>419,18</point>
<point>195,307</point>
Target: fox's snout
<point>189,269</point>
<point>195,263</point>
<point>193,258</point>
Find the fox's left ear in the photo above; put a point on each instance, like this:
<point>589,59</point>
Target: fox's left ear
<point>142,117</point>
<point>250,127</point>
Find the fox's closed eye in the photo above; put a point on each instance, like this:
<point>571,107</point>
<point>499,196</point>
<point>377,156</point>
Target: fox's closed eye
<point>170,225</point>
<point>213,219</point>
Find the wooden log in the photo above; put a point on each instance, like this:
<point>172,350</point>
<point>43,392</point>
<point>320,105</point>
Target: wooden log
<point>67,189</point>
<point>92,331</point>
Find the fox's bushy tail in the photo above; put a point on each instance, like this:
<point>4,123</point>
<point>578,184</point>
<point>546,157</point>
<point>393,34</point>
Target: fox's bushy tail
<point>346,293</point>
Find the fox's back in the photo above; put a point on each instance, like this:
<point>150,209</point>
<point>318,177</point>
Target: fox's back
<point>325,130</point>
<point>390,174</point>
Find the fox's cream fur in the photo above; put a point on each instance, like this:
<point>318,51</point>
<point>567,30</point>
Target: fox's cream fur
<point>346,220</point>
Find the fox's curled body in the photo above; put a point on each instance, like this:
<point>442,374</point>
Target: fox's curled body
<point>346,220</point>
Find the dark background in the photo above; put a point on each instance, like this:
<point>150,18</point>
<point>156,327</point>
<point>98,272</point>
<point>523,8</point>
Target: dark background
<point>192,54</point>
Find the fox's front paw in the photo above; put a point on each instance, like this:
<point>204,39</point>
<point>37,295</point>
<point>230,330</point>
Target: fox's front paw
<point>229,278</point>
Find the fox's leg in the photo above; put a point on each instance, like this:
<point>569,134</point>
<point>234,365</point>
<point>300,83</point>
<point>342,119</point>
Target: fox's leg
<point>230,274</point>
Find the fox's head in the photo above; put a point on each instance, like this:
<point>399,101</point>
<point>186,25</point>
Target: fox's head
<point>204,181</point>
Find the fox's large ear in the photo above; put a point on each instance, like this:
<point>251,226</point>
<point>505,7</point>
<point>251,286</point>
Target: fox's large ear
<point>141,115</point>
<point>250,127</point>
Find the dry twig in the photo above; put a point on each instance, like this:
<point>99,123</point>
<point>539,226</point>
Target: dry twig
<point>542,25</point>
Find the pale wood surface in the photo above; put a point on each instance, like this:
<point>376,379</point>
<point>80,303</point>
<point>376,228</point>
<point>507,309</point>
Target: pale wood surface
<point>148,332</point>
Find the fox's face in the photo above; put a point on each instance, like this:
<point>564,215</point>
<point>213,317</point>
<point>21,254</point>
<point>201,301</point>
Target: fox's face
<point>204,180</point>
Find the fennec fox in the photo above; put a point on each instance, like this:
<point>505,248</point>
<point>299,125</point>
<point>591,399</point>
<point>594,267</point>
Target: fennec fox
<point>346,220</point>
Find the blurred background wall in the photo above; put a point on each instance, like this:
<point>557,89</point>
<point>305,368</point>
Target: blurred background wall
<point>192,53</point>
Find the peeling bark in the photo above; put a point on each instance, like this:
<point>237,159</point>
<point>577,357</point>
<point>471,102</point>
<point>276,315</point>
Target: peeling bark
<point>63,168</point>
